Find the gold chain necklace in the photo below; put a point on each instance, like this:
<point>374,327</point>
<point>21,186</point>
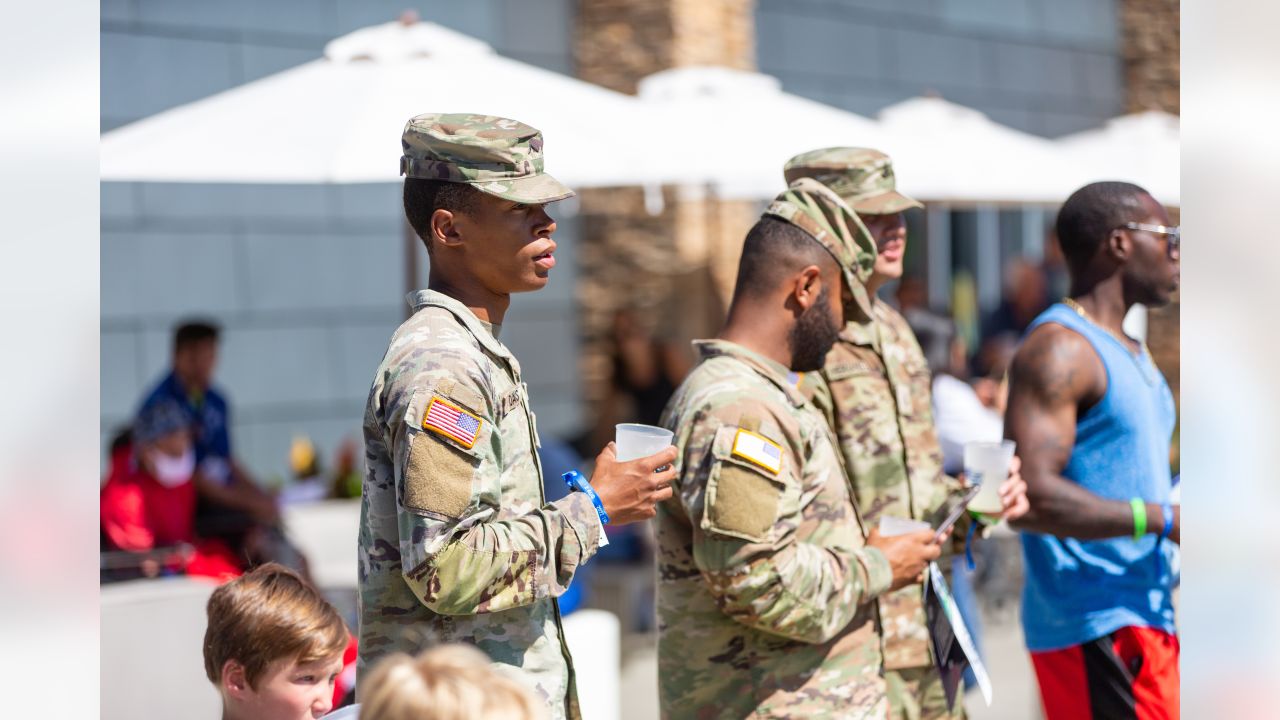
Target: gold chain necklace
<point>1124,339</point>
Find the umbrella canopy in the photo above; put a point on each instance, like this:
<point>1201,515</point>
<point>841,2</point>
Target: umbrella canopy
<point>338,119</point>
<point>734,130</point>
<point>1142,148</point>
<point>947,152</point>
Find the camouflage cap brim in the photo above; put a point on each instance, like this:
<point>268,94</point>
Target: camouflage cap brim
<point>883,204</point>
<point>530,189</point>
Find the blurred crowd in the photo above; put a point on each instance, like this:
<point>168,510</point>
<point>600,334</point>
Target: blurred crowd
<point>176,499</point>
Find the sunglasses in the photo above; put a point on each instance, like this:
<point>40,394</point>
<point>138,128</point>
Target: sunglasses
<point>1172,234</point>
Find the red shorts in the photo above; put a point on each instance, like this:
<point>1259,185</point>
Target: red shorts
<point>1131,674</point>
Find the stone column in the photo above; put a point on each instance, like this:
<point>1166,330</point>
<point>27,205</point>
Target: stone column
<point>1150,42</point>
<point>669,255</point>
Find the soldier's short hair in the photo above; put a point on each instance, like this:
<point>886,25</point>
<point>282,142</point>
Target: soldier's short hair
<point>191,332</point>
<point>1091,213</point>
<point>265,615</point>
<point>423,197</point>
<point>447,682</point>
<point>772,250</point>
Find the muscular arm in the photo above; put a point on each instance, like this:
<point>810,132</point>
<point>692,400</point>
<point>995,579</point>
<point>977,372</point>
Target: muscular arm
<point>1054,374</point>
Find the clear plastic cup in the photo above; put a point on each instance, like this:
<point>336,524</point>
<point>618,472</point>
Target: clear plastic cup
<point>986,464</point>
<point>635,441</point>
<point>890,525</point>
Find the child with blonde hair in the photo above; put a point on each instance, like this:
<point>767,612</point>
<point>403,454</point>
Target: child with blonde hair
<point>447,682</point>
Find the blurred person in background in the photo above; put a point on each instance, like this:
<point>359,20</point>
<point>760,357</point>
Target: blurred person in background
<point>311,482</point>
<point>960,415</point>
<point>990,378</point>
<point>644,369</point>
<point>230,504</point>
<point>149,499</point>
<point>1026,295</point>
<point>874,390</point>
<point>912,294</point>
<point>449,682</point>
<point>767,573</point>
<point>1093,417</point>
<point>457,542</point>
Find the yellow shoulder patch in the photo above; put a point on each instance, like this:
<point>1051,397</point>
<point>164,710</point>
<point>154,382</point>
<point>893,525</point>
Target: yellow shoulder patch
<point>448,419</point>
<point>758,449</point>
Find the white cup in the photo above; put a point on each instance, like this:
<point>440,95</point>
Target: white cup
<point>890,525</point>
<point>635,441</point>
<point>986,464</point>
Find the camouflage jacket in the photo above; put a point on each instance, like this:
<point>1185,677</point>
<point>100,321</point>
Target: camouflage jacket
<point>764,580</point>
<point>875,390</point>
<point>456,541</point>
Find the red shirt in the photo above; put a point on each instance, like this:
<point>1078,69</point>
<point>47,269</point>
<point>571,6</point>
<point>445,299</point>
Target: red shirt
<point>138,513</point>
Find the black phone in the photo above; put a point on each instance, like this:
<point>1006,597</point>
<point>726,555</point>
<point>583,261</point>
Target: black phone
<point>947,515</point>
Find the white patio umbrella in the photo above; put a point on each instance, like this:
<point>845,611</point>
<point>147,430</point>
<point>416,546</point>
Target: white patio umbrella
<point>338,119</point>
<point>1142,148</point>
<point>733,130</point>
<point>947,152</point>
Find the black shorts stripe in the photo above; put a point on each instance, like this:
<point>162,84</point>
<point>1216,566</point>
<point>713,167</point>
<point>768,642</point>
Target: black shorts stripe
<point>1110,681</point>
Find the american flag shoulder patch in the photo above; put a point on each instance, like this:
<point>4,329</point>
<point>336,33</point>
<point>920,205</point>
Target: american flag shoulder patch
<point>446,418</point>
<point>758,449</point>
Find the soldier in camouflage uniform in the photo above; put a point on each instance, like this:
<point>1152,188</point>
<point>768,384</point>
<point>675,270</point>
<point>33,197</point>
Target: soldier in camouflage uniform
<point>765,569</point>
<point>456,540</point>
<point>875,391</point>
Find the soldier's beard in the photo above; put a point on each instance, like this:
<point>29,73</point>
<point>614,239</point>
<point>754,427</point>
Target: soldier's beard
<point>813,335</point>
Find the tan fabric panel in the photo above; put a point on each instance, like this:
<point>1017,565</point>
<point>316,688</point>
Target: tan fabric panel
<point>742,502</point>
<point>438,477</point>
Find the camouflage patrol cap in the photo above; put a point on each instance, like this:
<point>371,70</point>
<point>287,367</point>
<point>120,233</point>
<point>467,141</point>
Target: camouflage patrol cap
<point>816,209</point>
<point>492,154</point>
<point>861,176</point>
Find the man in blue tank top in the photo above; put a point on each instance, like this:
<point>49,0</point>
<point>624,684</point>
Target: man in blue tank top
<point>1093,418</point>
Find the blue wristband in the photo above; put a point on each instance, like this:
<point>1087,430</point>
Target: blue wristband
<point>1166,510</point>
<point>576,481</point>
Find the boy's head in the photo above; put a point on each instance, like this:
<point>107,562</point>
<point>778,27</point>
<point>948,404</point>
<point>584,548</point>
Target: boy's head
<point>449,682</point>
<point>273,647</point>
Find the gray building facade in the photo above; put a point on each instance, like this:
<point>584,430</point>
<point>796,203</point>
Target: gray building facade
<point>1042,66</point>
<point>307,281</point>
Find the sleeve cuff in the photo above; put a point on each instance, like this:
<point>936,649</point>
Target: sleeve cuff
<point>879,571</point>
<point>584,521</point>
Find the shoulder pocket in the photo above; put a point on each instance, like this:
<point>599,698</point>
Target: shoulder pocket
<point>745,486</point>
<point>440,469</point>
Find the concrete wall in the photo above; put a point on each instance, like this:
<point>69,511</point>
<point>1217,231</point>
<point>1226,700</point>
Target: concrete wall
<point>307,281</point>
<point>1043,66</point>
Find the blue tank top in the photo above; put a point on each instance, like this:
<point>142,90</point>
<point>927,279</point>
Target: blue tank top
<point>1079,590</point>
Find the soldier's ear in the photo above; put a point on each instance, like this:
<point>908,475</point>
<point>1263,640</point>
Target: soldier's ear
<point>444,229</point>
<point>807,285</point>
